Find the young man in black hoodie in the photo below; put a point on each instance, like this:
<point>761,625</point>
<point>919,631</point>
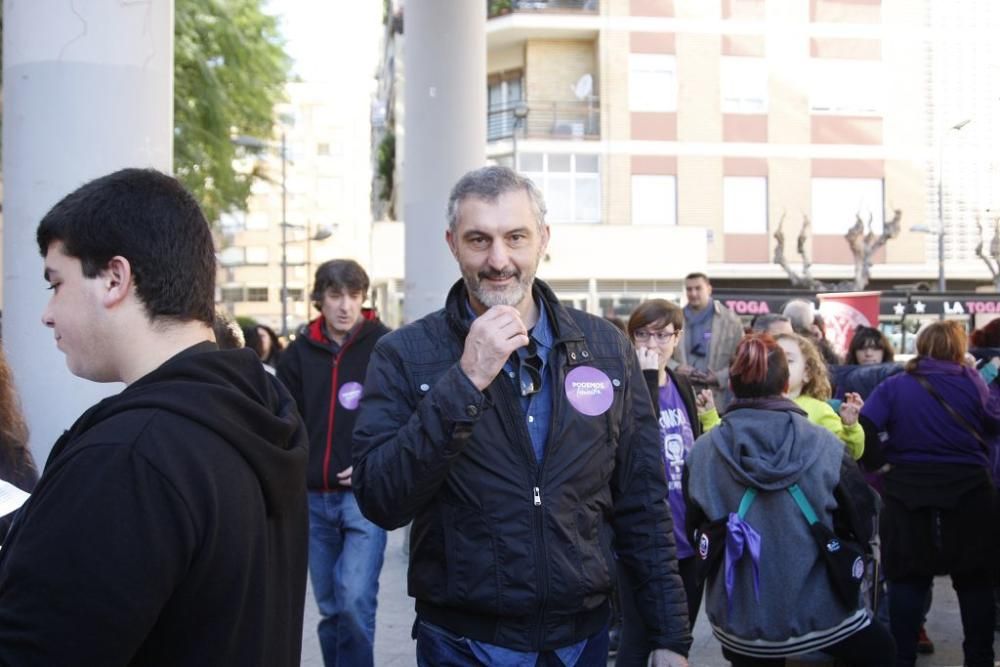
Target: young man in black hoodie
<point>324,369</point>
<point>169,526</point>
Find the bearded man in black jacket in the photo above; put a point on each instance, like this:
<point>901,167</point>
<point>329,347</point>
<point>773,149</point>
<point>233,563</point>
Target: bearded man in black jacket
<point>169,526</point>
<point>519,438</point>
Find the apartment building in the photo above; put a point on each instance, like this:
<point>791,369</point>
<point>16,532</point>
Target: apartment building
<point>318,192</point>
<point>672,136</point>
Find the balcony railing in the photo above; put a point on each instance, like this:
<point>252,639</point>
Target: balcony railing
<point>500,7</point>
<point>558,119</point>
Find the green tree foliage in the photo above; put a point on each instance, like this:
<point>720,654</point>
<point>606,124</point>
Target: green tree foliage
<point>230,68</point>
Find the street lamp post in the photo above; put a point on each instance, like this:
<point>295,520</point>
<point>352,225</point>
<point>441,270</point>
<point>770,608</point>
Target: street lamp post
<point>255,142</point>
<point>940,196</point>
<point>284,238</point>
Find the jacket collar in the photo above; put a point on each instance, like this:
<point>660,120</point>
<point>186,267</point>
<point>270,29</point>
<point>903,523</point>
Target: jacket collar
<point>773,403</point>
<point>315,332</point>
<point>565,330</point>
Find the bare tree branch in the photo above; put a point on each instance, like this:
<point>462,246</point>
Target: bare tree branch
<point>992,260</point>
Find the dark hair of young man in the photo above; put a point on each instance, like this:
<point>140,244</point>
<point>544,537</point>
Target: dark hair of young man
<point>697,275</point>
<point>149,219</point>
<point>338,274</point>
<point>759,368</point>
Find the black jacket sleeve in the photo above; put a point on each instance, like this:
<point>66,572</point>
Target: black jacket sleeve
<point>404,444</point>
<point>872,458</point>
<point>289,371</point>
<point>644,532</point>
<point>856,516</point>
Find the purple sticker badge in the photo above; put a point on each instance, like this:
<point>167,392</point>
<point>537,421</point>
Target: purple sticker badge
<point>350,395</point>
<point>589,390</point>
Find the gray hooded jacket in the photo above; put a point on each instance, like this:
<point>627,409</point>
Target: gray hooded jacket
<point>770,449</point>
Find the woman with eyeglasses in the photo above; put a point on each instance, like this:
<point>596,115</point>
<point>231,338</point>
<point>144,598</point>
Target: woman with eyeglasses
<point>655,328</point>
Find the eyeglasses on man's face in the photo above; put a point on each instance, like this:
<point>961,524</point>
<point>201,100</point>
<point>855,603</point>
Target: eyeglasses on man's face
<point>660,336</point>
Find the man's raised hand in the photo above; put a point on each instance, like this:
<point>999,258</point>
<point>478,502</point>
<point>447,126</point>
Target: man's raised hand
<point>492,337</point>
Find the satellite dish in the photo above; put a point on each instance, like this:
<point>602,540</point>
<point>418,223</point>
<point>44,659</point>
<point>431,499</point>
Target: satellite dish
<point>583,87</point>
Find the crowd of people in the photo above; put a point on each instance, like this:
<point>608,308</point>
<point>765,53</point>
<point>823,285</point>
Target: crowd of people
<point>574,489</point>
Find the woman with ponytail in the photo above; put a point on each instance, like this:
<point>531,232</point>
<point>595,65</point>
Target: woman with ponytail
<point>774,482</point>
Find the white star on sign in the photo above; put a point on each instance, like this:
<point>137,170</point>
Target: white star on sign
<point>920,307</point>
<point>899,308</point>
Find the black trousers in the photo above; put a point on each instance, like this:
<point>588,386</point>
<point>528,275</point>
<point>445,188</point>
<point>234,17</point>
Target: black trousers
<point>975,602</point>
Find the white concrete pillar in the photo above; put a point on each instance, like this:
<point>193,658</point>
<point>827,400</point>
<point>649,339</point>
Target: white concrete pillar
<point>445,135</point>
<point>87,90</point>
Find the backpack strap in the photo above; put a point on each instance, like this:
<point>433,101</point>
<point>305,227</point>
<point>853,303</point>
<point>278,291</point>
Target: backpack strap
<point>803,503</point>
<point>746,501</point>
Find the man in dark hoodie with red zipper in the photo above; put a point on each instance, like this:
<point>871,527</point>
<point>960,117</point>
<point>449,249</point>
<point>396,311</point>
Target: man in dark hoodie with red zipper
<point>324,370</point>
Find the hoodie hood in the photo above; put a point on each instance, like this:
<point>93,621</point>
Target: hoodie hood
<point>767,449</point>
<point>230,393</point>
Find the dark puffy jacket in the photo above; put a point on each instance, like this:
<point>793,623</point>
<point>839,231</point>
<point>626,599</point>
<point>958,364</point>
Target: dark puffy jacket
<point>326,389</point>
<point>505,549</point>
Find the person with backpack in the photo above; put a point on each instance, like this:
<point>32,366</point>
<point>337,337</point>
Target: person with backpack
<point>781,519</point>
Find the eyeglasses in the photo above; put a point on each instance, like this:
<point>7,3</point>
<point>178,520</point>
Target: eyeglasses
<point>660,336</point>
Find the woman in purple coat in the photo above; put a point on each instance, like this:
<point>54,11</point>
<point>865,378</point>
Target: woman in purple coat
<point>935,420</point>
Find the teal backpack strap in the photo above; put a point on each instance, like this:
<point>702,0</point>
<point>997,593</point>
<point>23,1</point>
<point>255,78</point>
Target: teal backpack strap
<point>746,501</point>
<point>803,503</point>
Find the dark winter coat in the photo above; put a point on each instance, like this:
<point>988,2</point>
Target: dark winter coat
<point>327,387</point>
<point>504,548</point>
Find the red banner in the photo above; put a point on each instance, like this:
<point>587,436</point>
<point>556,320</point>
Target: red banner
<point>844,312</point>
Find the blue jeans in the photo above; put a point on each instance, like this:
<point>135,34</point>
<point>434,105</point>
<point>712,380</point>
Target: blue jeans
<point>437,647</point>
<point>346,552</point>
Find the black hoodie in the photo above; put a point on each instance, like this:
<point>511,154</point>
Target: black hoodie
<point>319,380</point>
<point>169,527</point>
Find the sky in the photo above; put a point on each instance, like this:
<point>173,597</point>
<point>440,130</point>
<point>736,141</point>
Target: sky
<point>325,37</point>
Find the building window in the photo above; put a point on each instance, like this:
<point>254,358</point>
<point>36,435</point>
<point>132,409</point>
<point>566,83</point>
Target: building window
<point>846,87</point>
<point>295,255</point>
<point>257,254</point>
<point>323,149</point>
<point>257,294</point>
<point>231,256</point>
<point>296,293</point>
<point>744,205</point>
<point>257,220</point>
<point>652,82</point>
<point>504,91</point>
<point>231,294</point>
<point>744,85</point>
<point>654,200</point>
<point>836,203</point>
<point>232,221</point>
<point>571,184</point>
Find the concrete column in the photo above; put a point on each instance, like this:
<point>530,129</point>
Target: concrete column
<point>445,135</point>
<point>88,89</point>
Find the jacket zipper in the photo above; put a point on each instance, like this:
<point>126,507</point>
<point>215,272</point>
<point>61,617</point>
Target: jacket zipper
<point>334,372</point>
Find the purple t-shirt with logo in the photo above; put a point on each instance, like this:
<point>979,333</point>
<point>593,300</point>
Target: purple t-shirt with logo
<point>676,438</point>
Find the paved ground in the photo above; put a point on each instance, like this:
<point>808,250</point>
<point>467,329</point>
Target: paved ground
<point>394,648</point>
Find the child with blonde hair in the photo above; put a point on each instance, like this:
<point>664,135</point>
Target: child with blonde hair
<point>809,388</point>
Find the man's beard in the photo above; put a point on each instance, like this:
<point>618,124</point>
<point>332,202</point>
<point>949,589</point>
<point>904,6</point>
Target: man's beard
<point>511,295</point>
